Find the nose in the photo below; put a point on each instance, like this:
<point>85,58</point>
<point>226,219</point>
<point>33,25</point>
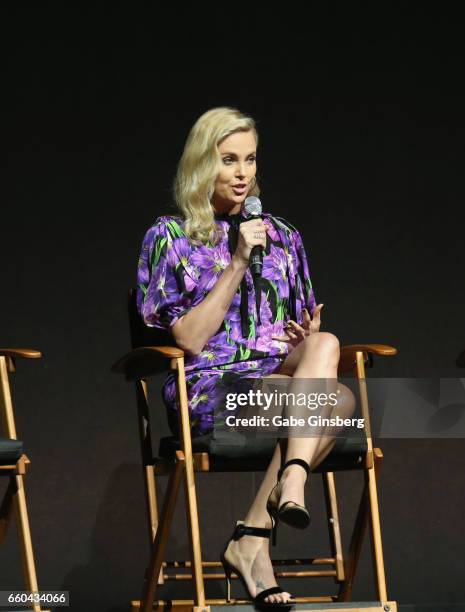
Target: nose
<point>240,170</point>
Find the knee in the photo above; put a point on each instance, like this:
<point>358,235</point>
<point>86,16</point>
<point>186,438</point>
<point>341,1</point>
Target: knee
<point>325,343</point>
<point>345,401</point>
<point>330,341</point>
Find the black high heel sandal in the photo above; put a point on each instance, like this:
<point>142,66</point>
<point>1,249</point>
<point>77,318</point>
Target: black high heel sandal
<point>290,512</point>
<point>239,531</point>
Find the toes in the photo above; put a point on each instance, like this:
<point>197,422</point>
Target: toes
<point>286,597</point>
<point>281,598</point>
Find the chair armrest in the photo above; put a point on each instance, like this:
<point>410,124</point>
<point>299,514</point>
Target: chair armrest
<point>145,361</point>
<point>348,357</point>
<point>12,353</point>
<point>17,352</point>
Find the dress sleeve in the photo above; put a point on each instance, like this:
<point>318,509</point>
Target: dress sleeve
<point>305,296</point>
<point>165,288</point>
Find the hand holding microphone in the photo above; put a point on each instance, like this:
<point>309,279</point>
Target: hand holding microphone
<point>252,240</point>
<point>251,234</point>
<point>253,237</point>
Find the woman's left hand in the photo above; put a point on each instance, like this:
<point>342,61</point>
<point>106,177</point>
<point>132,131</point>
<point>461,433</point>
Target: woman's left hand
<point>296,333</point>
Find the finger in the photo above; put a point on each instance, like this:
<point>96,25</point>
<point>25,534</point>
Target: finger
<point>316,313</point>
<point>288,329</point>
<point>306,319</point>
<point>297,329</point>
<point>257,234</point>
<point>280,338</point>
<point>253,223</point>
<point>253,229</point>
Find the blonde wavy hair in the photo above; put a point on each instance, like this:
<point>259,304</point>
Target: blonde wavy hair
<point>199,166</point>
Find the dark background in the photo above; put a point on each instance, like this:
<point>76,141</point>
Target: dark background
<point>360,117</point>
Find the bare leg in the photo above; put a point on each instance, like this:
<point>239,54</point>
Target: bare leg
<point>315,357</point>
<point>318,358</point>
<point>251,554</point>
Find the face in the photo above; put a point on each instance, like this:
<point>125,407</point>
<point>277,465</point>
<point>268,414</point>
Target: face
<point>237,171</point>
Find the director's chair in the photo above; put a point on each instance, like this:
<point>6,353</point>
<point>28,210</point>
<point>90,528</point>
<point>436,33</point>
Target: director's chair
<point>13,463</point>
<point>154,352</point>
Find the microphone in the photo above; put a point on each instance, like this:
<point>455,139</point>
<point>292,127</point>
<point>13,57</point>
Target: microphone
<point>253,209</point>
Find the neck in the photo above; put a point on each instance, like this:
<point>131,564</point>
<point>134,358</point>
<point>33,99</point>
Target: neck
<point>227,210</point>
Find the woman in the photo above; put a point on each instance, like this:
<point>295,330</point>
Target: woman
<point>194,279</point>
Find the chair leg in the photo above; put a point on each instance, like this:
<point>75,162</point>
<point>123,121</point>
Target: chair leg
<point>24,533</point>
<point>147,461</point>
<point>375,533</point>
<point>152,502</point>
<point>190,493</point>
<point>147,455</point>
<point>152,498</point>
<point>355,547</point>
<point>161,537</point>
<point>194,535</point>
<point>329,487</point>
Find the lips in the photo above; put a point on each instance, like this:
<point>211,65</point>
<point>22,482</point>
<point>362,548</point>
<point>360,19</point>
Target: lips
<point>239,189</point>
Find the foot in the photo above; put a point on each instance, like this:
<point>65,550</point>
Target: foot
<point>251,556</point>
<point>292,486</point>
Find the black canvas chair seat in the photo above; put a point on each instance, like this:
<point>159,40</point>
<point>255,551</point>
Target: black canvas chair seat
<point>10,451</point>
<point>246,454</point>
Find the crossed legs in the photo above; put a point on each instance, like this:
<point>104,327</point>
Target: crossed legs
<point>317,357</point>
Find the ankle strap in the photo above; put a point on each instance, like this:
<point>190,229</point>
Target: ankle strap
<point>242,530</point>
<point>300,462</point>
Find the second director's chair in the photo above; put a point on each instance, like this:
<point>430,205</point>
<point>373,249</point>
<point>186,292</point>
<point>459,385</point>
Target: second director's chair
<point>13,464</point>
<point>154,352</point>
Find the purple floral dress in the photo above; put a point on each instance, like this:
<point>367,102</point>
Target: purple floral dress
<point>174,275</point>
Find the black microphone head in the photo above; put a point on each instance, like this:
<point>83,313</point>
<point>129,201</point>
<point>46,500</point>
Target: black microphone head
<point>252,206</point>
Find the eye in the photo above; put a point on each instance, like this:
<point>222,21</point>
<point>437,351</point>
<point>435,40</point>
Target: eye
<point>227,160</point>
<point>252,158</point>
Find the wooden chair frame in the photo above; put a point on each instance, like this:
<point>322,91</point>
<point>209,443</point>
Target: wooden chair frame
<point>15,496</point>
<point>144,361</point>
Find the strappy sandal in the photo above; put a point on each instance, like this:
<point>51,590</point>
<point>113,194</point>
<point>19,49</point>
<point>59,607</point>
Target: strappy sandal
<point>290,512</point>
<point>239,531</point>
